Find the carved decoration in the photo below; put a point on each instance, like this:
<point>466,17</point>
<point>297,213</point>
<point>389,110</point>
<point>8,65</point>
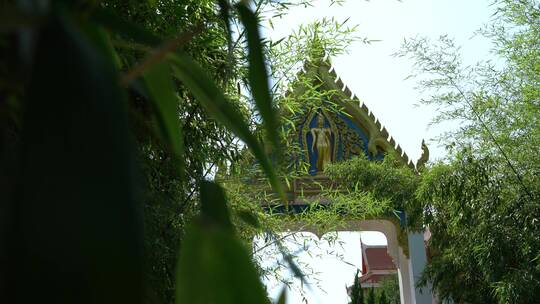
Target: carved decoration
<point>346,139</point>
<point>423,158</point>
<point>352,143</point>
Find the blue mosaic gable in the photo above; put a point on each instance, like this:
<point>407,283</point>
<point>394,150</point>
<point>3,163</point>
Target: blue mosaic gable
<point>349,138</point>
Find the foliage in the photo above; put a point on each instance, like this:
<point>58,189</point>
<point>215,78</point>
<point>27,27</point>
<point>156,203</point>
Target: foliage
<point>385,181</point>
<point>387,293</point>
<point>83,80</point>
<point>207,143</point>
<point>242,178</point>
<point>357,294</point>
<point>492,261</point>
<point>171,198</point>
<point>310,42</point>
<point>382,298</point>
<point>214,266</point>
<point>371,297</point>
<point>482,204</point>
<point>390,287</point>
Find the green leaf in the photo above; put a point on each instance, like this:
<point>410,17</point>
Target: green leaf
<point>225,16</point>
<point>215,103</point>
<point>282,297</point>
<point>101,40</point>
<point>78,236</point>
<point>161,89</point>
<point>214,205</point>
<point>214,266</point>
<point>249,218</point>
<point>278,41</point>
<point>292,264</point>
<point>288,258</point>
<point>258,76</point>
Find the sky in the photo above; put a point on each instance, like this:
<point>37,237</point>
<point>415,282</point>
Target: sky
<point>378,80</point>
<point>376,77</point>
<point>332,265</point>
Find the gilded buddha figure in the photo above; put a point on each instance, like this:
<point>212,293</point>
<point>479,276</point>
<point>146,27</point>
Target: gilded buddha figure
<point>321,141</point>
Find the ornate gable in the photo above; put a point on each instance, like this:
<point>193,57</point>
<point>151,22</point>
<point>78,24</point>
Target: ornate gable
<point>341,135</point>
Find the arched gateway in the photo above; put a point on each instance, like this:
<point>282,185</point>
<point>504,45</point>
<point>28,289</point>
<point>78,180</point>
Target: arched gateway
<point>325,136</point>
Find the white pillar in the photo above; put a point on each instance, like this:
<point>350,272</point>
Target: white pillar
<point>405,292</point>
<point>417,263</point>
<point>409,269</point>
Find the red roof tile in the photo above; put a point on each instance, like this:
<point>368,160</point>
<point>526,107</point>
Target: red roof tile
<point>378,259</point>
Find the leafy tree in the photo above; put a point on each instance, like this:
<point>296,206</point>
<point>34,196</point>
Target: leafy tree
<point>390,288</point>
<point>152,103</point>
<point>357,294</point>
<point>482,203</point>
<point>171,198</point>
<point>97,92</point>
<point>371,298</point>
<point>382,298</point>
<point>389,182</point>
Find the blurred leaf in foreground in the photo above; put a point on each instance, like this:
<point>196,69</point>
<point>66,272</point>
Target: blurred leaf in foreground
<point>214,265</point>
<point>258,75</point>
<point>216,104</point>
<point>161,89</point>
<point>75,228</point>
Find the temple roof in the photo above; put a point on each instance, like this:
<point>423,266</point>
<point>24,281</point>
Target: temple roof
<point>379,139</point>
<point>377,258</point>
<point>377,264</point>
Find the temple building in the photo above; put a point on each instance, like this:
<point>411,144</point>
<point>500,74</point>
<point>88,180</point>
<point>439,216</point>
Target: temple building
<point>377,265</point>
<point>325,135</point>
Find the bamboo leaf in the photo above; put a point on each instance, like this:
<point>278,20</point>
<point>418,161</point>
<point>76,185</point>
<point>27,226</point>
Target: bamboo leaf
<point>249,218</point>
<point>215,103</point>
<point>161,89</point>
<point>79,239</point>
<point>214,206</point>
<point>258,76</point>
<point>159,54</point>
<point>212,256</point>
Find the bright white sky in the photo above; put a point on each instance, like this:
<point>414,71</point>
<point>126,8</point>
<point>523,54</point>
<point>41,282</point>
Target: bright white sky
<point>333,265</point>
<point>374,75</point>
<point>378,80</point>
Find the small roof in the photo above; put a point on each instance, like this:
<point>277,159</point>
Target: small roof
<point>375,258</point>
<point>378,259</point>
<point>377,264</point>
